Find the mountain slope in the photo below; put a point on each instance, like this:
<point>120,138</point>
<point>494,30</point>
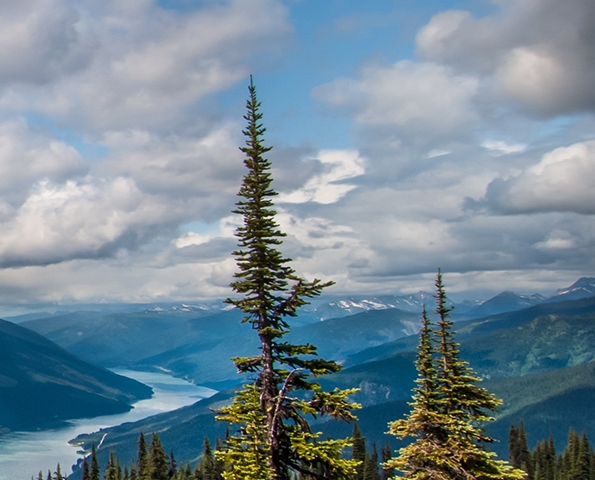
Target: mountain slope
<point>140,335</point>
<point>42,385</point>
<point>210,364</point>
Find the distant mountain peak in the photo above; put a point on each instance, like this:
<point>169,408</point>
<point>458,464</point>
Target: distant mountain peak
<point>506,301</point>
<point>584,287</point>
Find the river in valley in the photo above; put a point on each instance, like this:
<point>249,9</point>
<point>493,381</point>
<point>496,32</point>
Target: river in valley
<point>24,454</point>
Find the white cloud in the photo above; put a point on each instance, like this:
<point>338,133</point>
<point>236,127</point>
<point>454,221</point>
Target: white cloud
<point>40,40</point>
<point>27,157</point>
<point>78,220</point>
<point>540,53</point>
<point>415,97</point>
<point>328,187</point>
<point>147,65</point>
<point>502,148</point>
<point>563,181</point>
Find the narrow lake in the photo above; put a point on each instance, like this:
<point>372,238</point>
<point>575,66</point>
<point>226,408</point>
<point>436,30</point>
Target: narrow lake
<point>24,454</point>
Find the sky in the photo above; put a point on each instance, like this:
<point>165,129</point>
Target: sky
<point>407,136</point>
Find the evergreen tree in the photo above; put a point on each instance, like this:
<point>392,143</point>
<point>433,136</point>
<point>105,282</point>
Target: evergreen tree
<point>172,465</point>
<point>518,451</point>
<point>158,464</point>
<point>110,469</point>
<point>581,469</point>
<point>84,470</point>
<point>143,458</point>
<point>428,454</point>
<point>274,437</point>
<point>358,452</point>
<point>58,473</point>
<point>94,472</point>
<point>386,455</point>
<point>207,464</point>
<point>133,471</point>
<point>371,465</point>
<point>447,409</point>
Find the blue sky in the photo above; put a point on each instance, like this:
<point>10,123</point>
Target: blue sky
<point>407,136</point>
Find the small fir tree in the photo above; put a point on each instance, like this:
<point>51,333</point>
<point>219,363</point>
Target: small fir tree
<point>447,408</point>
<point>274,438</point>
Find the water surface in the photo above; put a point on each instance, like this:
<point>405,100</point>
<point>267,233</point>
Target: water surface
<point>24,454</point>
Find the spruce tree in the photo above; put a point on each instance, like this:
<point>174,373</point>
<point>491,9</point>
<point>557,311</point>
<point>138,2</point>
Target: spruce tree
<point>358,452</point>
<point>143,458</point>
<point>158,459</point>
<point>274,437</point>
<point>447,409</point>
<point>84,470</point>
<point>386,456</point>
<point>94,472</point>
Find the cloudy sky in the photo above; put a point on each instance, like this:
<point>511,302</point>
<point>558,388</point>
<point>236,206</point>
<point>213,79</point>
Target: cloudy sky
<point>407,136</point>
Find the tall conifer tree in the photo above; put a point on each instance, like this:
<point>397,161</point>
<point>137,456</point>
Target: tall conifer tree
<point>274,437</point>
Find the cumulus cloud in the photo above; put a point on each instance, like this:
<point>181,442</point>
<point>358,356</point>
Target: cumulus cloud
<point>563,181</point>
<point>541,53</point>
<point>329,186</point>
<point>208,166</point>
<point>147,65</point>
<point>414,97</point>
<point>27,156</point>
<point>40,40</point>
<point>78,220</point>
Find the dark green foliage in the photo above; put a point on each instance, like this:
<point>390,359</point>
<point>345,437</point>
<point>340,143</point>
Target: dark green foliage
<point>158,461</point>
<point>518,451</point>
<point>358,452</point>
<point>274,438</point>
<point>371,465</point>
<point>58,473</point>
<point>143,458</point>
<point>447,408</point>
<point>576,462</point>
<point>84,470</point>
<point>387,472</point>
<point>94,473</point>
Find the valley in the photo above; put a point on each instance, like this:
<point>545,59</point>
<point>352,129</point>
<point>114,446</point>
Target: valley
<point>535,353</point>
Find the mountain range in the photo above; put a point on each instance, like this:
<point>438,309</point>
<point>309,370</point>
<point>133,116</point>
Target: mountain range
<point>538,359</point>
<point>42,385</point>
<point>533,351</point>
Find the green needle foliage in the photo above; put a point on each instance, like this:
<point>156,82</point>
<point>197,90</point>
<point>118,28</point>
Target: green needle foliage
<point>446,411</point>
<point>274,440</point>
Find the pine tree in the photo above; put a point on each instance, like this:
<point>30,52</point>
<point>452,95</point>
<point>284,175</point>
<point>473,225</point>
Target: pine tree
<point>518,451</point>
<point>386,455</point>
<point>447,409</point>
<point>84,470</point>
<point>172,465</point>
<point>94,472</point>
<point>274,437</point>
<point>143,458</point>
<point>582,464</point>
<point>110,469</point>
<point>371,465</point>
<point>207,464</point>
<point>158,460</point>
<point>58,473</point>
<point>358,452</point>
<point>427,455</point>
